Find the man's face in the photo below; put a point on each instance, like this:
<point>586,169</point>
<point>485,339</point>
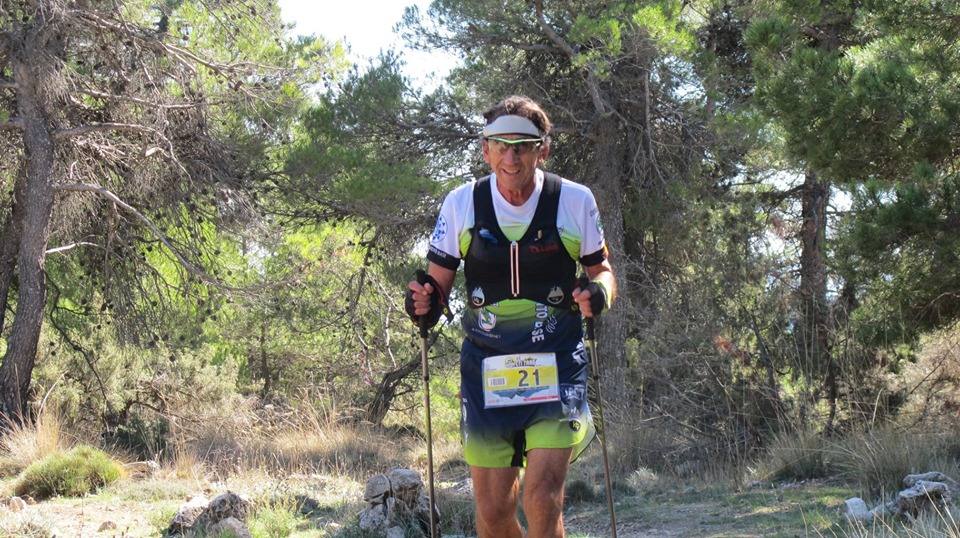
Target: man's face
<point>516,163</point>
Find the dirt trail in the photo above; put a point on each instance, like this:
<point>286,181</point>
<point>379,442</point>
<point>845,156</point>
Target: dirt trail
<point>655,513</point>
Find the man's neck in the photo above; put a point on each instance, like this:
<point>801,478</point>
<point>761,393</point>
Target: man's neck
<point>517,195</point>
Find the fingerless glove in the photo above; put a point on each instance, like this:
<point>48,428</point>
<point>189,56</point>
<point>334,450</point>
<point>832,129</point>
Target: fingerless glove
<point>437,304</point>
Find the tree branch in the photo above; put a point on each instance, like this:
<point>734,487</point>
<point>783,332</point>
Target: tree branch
<point>187,264</point>
<point>99,127</point>
<point>72,246</point>
<point>11,125</point>
<point>593,86</point>
<point>151,104</point>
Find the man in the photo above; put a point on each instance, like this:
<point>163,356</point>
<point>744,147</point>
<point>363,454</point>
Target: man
<point>521,232</point>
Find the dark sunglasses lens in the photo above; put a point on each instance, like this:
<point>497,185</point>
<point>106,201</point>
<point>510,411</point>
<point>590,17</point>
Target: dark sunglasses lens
<point>521,147</point>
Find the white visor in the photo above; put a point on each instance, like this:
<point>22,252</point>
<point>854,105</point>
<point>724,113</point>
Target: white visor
<point>511,124</point>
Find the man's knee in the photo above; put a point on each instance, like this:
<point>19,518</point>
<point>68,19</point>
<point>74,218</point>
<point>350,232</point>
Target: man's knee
<point>543,494</point>
<point>496,509</point>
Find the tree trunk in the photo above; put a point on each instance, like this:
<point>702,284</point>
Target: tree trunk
<point>9,246</point>
<point>387,390</point>
<point>264,366</point>
<point>814,329</point>
<point>39,152</point>
<point>608,174</point>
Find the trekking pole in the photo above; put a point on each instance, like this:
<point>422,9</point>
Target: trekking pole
<point>424,333</point>
<point>582,283</point>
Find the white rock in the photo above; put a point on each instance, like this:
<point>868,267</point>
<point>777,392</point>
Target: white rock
<point>376,489</point>
<point>857,510</point>
<point>911,480</point>
<point>230,526</point>
<point>188,513</point>
<point>16,504</point>
<point>373,518</point>
<point>142,469</point>
<point>395,532</point>
<point>910,502</point>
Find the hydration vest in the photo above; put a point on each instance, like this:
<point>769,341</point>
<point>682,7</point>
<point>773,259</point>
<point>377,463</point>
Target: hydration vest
<point>535,267</point>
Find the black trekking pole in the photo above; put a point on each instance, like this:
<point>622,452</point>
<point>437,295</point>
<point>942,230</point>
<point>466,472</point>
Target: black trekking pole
<point>582,283</point>
<point>424,333</point>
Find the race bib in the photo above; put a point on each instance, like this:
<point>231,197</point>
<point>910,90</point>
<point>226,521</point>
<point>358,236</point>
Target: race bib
<point>521,379</point>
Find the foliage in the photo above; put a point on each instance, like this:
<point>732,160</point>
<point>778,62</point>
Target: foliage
<point>76,472</point>
<point>276,519</point>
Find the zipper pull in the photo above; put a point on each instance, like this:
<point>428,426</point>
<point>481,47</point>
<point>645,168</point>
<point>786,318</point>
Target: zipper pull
<point>514,268</point>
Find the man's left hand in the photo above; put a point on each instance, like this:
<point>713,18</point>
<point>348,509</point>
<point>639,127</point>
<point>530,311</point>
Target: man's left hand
<point>591,300</point>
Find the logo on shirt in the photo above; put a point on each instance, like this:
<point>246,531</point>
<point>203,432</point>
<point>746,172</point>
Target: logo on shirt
<point>476,296</point>
<point>487,320</point>
<point>555,296</point>
<point>440,230</point>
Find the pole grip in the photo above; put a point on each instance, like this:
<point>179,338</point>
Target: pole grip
<point>421,321</point>
<point>582,283</point>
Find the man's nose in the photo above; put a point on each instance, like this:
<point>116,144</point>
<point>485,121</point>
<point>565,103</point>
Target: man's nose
<point>513,153</point>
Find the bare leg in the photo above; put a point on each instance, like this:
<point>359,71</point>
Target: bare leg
<point>496,491</point>
<point>543,491</point>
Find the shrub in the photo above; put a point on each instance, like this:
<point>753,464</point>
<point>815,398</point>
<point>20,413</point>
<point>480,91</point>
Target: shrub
<point>80,471</point>
<point>278,518</point>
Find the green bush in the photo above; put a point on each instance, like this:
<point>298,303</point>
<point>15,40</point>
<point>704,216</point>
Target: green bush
<point>79,471</point>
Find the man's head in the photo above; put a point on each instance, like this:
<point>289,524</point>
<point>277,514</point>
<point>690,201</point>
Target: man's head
<point>516,137</point>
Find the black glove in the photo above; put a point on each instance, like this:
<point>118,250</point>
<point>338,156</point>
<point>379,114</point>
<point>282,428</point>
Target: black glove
<point>598,297</point>
<point>437,302</point>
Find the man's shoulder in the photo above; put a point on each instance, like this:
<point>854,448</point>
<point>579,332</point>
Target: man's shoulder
<point>463,194</point>
<point>575,193</point>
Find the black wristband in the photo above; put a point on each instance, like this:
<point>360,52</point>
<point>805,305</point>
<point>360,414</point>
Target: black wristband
<point>437,303</point>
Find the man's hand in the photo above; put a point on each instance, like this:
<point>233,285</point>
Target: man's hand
<point>591,299</point>
<point>425,301</point>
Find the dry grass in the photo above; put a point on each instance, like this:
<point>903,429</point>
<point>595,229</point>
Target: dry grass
<point>943,524</point>
<point>27,443</point>
<point>24,525</point>
<point>878,459</point>
<point>302,440</point>
<point>796,454</point>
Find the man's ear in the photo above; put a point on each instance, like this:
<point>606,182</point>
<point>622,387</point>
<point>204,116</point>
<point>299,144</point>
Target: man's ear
<point>544,153</point>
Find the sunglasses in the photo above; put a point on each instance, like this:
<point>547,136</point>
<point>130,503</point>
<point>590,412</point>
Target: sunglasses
<point>522,146</point>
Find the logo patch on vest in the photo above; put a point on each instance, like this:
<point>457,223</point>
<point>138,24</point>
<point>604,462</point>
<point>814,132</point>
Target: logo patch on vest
<point>555,296</point>
<point>547,248</point>
<point>476,296</point>
<point>487,320</point>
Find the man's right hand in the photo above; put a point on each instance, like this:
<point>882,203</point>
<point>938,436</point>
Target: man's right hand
<point>424,301</point>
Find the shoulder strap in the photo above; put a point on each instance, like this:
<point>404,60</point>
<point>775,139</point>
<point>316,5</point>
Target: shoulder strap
<point>549,203</point>
<point>483,212</point>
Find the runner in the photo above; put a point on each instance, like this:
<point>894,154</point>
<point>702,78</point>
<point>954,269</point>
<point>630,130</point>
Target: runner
<point>521,232</point>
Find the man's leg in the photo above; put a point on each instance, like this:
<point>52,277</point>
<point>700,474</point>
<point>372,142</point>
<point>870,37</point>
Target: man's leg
<point>543,491</point>
<point>496,491</point>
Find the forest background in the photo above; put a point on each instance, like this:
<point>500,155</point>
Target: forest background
<point>201,213</point>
